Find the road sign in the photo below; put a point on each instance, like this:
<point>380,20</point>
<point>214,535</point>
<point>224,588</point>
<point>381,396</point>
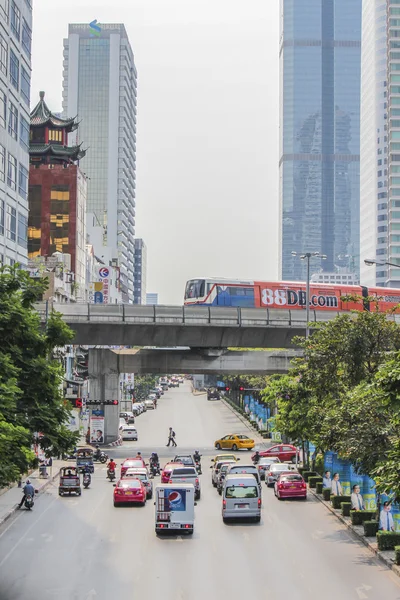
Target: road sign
<point>104,272</point>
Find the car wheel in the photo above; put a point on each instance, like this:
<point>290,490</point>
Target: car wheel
<point>220,491</point>
<point>257,519</point>
<point>249,449</point>
<point>278,496</point>
<point>116,504</point>
<point>225,520</point>
<point>234,447</point>
<point>213,482</point>
<point>198,496</point>
<point>218,446</point>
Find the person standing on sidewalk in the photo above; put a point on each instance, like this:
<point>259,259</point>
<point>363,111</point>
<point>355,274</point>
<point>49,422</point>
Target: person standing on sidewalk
<point>336,489</point>
<point>171,438</point>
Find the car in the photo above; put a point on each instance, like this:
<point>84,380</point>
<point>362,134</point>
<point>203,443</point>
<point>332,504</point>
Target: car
<point>221,477</point>
<point>224,457</point>
<point>166,472</point>
<point>275,470</point>
<point>285,452</point>
<point>136,409</point>
<point>245,470</point>
<point>185,459</point>
<point>181,380</point>
<point>128,432</point>
<point>126,415</point>
<point>165,387</point>
<point>122,423</point>
<point>130,491</point>
<point>160,389</point>
<point>213,394</point>
<point>149,404</point>
<point>155,392</point>
<point>216,467</point>
<point>264,463</point>
<point>235,441</point>
<point>143,475</point>
<point>132,463</point>
<point>290,485</point>
<point>186,475</point>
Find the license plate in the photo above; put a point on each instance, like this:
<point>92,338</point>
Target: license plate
<point>175,525</point>
<point>241,505</point>
<point>128,493</point>
<point>292,487</point>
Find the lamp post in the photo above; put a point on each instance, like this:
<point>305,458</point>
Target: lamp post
<point>308,256</point>
<point>369,262</point>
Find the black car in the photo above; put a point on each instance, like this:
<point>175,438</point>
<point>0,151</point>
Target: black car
<point>213,394</point>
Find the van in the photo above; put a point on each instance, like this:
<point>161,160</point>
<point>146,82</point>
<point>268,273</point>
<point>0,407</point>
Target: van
<point>241,498</point>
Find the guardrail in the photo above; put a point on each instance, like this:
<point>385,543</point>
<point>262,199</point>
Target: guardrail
<point>135,314</point>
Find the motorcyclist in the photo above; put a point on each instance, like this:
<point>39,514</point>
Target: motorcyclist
<point>112,466</point>
<point>154,463</point>
<point>256,457</point>
<point>139,455</point>
<point>197,456</point>
<point>28,490</point>
<point>97,453</point>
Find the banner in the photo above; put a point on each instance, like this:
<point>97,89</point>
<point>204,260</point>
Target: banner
<point>96,429</point>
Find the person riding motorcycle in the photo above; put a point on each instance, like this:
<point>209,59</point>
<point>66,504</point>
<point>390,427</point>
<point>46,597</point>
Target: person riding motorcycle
<point>112,466</point>
<point>197,456</point>
<point>256,457</point>
<point>28,490</point>
<point>154,463</point>
<point>97,453</point>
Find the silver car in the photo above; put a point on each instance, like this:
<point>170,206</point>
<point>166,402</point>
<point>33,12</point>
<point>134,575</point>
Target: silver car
<point>216,467</point>
<point>264,464</point>
<point>275,469</point>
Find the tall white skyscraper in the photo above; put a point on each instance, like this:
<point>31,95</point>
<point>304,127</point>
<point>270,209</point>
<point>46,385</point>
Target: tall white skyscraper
<point>15,90</point>
<point>100,86</point>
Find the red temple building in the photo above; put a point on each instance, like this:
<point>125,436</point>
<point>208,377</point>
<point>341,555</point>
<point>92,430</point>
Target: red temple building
<point>57,192</point>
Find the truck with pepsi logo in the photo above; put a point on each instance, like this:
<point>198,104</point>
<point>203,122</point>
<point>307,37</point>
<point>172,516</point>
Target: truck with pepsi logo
<point>174,504</point>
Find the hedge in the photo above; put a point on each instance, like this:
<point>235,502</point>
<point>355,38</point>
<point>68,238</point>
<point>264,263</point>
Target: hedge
<point>326,493</point>
<point>319,487</point>
<point>397,555</point>
<point>371,528</point>
<point>312,481</point>
<point>359,516</point>
<point>307,474</point>
<point>387,540</point>
<point>346,507</point>
<point>337,500</point>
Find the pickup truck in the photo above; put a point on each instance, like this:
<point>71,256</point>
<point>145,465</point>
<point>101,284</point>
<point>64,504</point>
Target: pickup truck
<point>186,475</point>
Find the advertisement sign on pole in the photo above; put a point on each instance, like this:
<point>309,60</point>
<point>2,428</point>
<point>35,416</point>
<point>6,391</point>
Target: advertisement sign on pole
<point>96,429</point>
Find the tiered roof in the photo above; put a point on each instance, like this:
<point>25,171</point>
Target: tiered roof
<point>42,115</point>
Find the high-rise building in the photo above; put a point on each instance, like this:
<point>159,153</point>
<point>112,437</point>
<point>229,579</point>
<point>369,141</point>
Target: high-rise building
<point>99,85</point>
<point>320,62</point>
<point>151,298</point>
<point>140,272</point>
<point>57,193</point>
<point>15,90</point>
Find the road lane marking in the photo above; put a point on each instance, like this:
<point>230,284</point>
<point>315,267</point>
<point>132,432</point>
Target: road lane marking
<point>179,538</point>
<point>361,591</point>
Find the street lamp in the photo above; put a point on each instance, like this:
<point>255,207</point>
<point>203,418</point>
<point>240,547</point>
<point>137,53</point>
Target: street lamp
<point>370,261</point>
<point>307,256</point>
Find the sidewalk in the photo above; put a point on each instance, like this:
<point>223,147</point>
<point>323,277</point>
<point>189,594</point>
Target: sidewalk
<point>10,499</point>
<point>385,556</point>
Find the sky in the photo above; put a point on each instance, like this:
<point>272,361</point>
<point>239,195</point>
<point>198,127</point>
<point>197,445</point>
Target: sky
<point>207,129</point>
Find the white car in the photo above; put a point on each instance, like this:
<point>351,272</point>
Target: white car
<point>149,404</point>
<point>128,432</point>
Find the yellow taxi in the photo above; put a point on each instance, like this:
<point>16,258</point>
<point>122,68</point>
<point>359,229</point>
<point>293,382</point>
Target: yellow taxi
<point>224,457</point>
<point>235,441</point>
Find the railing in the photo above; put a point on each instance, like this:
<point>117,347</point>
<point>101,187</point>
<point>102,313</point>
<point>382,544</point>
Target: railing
<point>135,314</point>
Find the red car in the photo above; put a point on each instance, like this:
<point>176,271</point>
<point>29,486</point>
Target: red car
<point>290,485</point>
<point>136,463</point>
<point>285,452</point>
<point>166,472</point>
<point>129,491</point>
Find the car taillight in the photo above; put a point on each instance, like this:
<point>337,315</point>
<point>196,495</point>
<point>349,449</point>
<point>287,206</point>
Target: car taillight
<point>223,503</point>
<point>161,526</point>
<point>270,474</point>
<point>259,503</point>
<point>303,485</point>
<point>280,486</point>
<point>197,482</point>
<point>187,526</point>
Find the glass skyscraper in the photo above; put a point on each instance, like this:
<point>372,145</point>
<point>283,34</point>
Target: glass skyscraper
<point>100,86</point>
<point>320,64</point>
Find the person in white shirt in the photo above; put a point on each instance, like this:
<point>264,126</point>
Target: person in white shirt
<point>357,502</point>
<point>326,480</point>
<point>336,488</point>
<point>386,522</point>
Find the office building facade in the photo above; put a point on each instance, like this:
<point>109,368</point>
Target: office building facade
<point>99,85</point>
<point>15,78</point>
<point>320,63</point>
<point>139,289</point>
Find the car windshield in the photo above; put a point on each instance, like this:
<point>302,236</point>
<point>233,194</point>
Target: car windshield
<point>194,289</point>
<point>133,463</point>
<point>279,467</point>
<point>242,491</point>
<point>291,478</point>
<point>186,460</point>
<point>266,461</point>
<point>184,472</point>
<point>237,469</point>
<point>243,437</point>
<point>129,484</point>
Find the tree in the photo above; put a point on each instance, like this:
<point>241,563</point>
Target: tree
<point>31,400</point>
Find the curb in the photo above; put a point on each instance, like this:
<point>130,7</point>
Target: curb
<point>118,442</point>
<point>371,546</point>
<point>14,508</point>
<point>245,422</point>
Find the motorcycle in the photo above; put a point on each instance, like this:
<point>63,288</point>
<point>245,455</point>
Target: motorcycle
<point>111,474</point>
<point>101,457</point>
<point>86,480</point>
<point>155,469</point>
<point>28,502</point>
<point>198,466</point>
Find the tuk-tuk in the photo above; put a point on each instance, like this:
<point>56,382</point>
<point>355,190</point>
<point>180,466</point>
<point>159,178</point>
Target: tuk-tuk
<point>69,481</point>
<point>84,458</point>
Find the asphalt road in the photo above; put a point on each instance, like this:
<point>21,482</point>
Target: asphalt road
<point>85,549</point>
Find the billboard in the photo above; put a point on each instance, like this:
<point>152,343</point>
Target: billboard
<point>96,429</point>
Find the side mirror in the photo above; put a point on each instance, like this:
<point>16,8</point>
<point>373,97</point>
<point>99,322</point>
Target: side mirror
<point>238,459</point>
<point>154,503</point>
<point>195,503</point>
<point>114,485</point>
<point>211,467</point>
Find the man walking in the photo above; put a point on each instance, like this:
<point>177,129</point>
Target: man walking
<point>171,437</point>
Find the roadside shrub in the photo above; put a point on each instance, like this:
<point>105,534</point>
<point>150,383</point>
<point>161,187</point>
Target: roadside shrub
<point>359,516</point>
<point>337,500</point>
<point>307,474</point>
<point>319,487</point>
<point>319,464</point>
<point>346,507</point>
<point>326,493</point>
<point>387,540</point>
<point>301,470</point>
<point>371,528</point>
<point>312,481</point>
<point>397,555</point>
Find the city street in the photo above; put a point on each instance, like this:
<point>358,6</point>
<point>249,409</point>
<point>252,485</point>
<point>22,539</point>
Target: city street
<point>83,548</point>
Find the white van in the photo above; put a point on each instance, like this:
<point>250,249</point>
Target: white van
<point>175,507</point>
<point>241,498</point>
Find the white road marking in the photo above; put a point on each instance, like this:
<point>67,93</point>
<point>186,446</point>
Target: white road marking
<point>47,537</point>
<point>91,594</point>
<point>179,538</point>
<point>361,591</point>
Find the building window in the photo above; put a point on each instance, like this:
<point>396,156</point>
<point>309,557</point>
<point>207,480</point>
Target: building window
<point>24,133</point>
<point>55,135</point>
<point>2,217</point>
<point>382,228</point>
<point>3,109</point>
<point>25,85</point>
<point>23,181</point>
<point>26,37</point>
<point>22,230</point>
<point>382,218</point>
<point>381,251</point>
<point>15,21</point>
<point>4,10</point>
<point>3,55</point>
<point>12,172</point>
<point>11,223</point>
<point>2,163</point>
<point>13,120</point>
<point>14,69</point>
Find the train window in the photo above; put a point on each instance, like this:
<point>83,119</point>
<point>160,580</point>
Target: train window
<point>194,288</point>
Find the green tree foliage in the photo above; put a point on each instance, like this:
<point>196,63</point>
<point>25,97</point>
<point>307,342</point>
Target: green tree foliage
<point>31,400</point>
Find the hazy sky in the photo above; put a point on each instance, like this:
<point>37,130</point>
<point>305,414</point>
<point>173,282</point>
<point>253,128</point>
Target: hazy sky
<point>207,130</point>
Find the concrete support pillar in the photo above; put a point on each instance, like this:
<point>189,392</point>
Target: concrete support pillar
<point>104,385</point>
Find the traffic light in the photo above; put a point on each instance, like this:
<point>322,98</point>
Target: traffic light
<point>227,388</point>
<point>241,388</point>
<point>105,402</point>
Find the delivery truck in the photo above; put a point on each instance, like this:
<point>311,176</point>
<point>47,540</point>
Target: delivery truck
<point>175,508</point>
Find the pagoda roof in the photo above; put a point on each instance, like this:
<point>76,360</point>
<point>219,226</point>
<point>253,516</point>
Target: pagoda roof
<point>42,115</point>
<point>67,152</point>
